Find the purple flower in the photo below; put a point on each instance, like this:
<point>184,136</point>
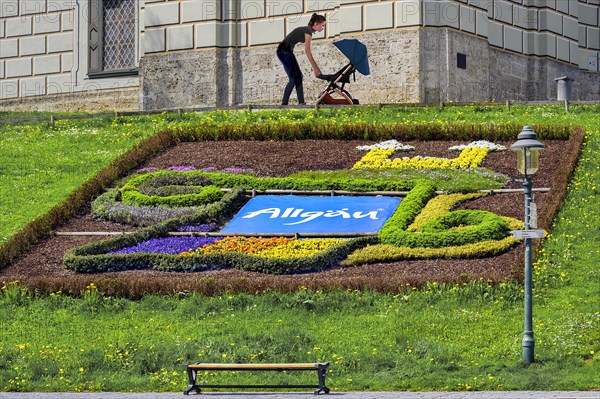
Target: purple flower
<point>167,245</point>
<point>209,169</point>
<point>181,168</point>
<point>200,228</point>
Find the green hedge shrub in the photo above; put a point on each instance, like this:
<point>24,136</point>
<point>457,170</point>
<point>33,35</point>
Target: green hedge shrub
<point>107,206</point>
<point>366,131</point>
<point>437,232</point>
<point>131,194</point>
<point>217,212</point>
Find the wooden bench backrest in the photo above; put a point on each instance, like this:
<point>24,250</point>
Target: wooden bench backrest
<point>257,366</point>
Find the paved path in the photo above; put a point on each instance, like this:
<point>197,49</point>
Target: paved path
<point>303,395</point>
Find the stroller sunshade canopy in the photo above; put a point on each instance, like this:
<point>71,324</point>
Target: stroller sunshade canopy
<point>356,52</point>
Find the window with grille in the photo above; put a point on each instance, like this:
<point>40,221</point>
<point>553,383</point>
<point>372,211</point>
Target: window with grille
<point>113,37</point>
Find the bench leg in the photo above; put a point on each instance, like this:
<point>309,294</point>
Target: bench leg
<point>192,381</point>
<point>322,372</point>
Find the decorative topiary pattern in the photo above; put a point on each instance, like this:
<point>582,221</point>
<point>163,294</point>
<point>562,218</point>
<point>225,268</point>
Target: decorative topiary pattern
<point>180,189</point>
<point>423,226</point>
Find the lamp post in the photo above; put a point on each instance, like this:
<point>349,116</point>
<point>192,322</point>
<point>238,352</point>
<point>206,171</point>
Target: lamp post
<point>527,148</point>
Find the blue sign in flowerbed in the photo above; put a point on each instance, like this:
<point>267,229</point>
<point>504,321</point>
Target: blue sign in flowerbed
<point>272,214</point>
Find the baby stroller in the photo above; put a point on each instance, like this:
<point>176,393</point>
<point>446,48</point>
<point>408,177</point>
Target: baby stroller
<point>356,52</point>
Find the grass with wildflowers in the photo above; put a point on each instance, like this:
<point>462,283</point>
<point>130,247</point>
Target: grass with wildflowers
<point>457,337</point>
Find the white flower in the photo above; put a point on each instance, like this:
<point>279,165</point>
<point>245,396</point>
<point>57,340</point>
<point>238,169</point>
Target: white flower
<point>385,145</point>
<point>479,144</point>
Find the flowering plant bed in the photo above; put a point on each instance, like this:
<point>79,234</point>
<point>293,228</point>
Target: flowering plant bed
<point>448,233</point>
<point>301,159</point>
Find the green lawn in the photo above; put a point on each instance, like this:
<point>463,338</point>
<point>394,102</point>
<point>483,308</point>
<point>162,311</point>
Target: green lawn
<point>464,337</point>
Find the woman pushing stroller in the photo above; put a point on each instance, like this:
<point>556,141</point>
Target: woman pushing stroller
<point>285,53</point>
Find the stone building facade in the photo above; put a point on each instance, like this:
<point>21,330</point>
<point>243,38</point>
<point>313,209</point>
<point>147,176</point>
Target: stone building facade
<point>159,54</point>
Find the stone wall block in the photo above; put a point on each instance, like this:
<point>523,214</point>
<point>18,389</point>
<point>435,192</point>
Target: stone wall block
<point>441,13</point>
<point>229,34</point>
<point>319,6</point>
<point>27,7</point>
<point>66,62</point>
<point>588,60</point>
<point>481,24</point>
<point>379,16</point>
<point>230,10</point>
<point>32,45</point>
<point>1,69</point>
<point>60,42</point>
<point>550,45</point>
<point>46,64</point>
<point>563,48</point>
<point>588,14</point>
<point>333,24</point>
<point>180,37</point>
<point>9,8</point>
<point>503,11</point>
<point>33,87</point>
<point>574,53</point>
<point>201,10</point>
<point>480,4</point>
<point>582,37</point>
<point>9,48</point>
<point>59,84</point>
<point>351,19</point>
<point>550,20</point>
<point>206,34</point>
<point>162,14</point>
<point>61,5</point>
<point>18,67</point>
<point>1,28</point>
<point>154,40</point>
<point>495,34</point>
<point>529,43</point>
<point>408,13</point>
<point>67,21</point>
<point>563,6</point>
<point>46,23</point>
<point>526,18</point>
<point>266,31</point>
<point>467,19</point>
<point>233,34</point>
<point>21,26</point>
<point>251,9</point>
<point>9,89</point>
<point>289,7</point>
<point>540,44</point>
<point>570,28</point>
<point>513,39</point>
<point>593,38</point>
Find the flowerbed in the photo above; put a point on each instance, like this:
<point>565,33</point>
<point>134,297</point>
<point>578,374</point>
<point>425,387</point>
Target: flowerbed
<point>275,247</point>
<point>377,158</point>
<point>423,226</point>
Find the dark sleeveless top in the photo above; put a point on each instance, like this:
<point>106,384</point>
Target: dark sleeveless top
<point>294,37</point>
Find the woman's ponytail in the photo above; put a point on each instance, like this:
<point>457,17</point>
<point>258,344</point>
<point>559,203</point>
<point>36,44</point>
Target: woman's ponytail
<point>315,19</point>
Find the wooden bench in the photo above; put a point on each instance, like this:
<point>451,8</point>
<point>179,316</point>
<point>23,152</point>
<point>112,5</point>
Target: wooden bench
<point>320,368</point>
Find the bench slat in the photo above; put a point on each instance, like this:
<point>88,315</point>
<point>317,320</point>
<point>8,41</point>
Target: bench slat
<point>256,366</point>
